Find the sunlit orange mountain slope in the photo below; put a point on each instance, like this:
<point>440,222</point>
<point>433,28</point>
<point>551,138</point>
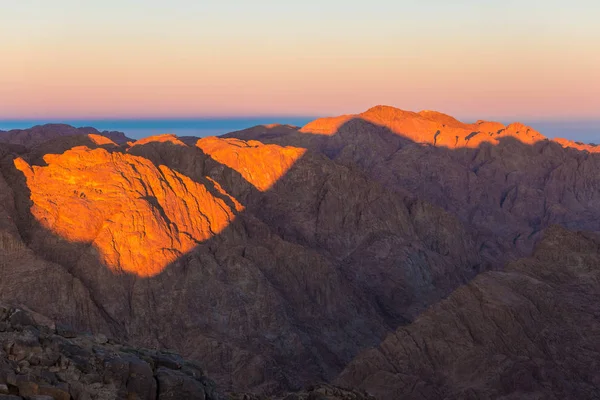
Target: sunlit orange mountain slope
<point>277,254</point>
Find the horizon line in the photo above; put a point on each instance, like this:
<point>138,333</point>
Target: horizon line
<point>274,117</point>
<point>259,116</point>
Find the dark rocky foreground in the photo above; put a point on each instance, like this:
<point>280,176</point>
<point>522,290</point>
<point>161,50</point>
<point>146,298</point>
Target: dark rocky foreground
<point>42,361</point>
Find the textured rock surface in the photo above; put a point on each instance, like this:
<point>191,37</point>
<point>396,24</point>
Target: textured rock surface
<point>314,264</point>
<point>505,183</point>
<point>592,148</point>
<point>38,358</point>
<point>259,164</point>
<point>529,332</point>
<point>313,392</point>
<point>428,127</point>
<point>138,217</point>
<point>276,255</point>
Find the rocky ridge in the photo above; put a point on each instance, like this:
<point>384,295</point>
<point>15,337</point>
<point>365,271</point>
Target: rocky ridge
<point>429,127</point>
<point>331,236</point>
<point>43,361</point>
<point>528,332</point>
<point>305,287</point>
<point>505,183</point>
<point>110,199</point>
<point>40,360</point>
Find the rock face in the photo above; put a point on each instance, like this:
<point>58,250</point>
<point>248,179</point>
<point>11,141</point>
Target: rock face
<point>281,265</point>
<point>138,217</point>
<point>529,332</point>
<point>313,392</point>
<point>428,127</point>
<point>259,164</point>
<point>505,183</point>
<point>591,148</point>
<point>275,255</point>
<point>42,360</point>
<point>39,358</point>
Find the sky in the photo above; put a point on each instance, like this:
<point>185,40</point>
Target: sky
<point>501,59</point>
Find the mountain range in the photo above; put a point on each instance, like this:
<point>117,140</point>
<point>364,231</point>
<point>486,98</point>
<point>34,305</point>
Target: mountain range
<point>407,255</point>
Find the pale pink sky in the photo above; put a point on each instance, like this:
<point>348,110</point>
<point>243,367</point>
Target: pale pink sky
<point>527,59</point>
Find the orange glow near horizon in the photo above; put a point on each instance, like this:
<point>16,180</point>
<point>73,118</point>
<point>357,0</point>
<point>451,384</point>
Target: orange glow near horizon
<point>150,60</point>
<point>284,87</point>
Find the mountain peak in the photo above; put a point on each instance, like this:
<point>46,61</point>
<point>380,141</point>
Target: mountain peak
<point>428,127</point>
<point>388,112</point>
<point>164,138</point>
<point>96,197</point>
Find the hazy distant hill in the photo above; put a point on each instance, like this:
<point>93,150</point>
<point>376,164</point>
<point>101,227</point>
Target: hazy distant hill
<point>42,133</point>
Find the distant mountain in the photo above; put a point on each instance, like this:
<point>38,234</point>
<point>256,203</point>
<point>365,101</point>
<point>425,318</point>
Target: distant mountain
<point>43,133</point>
<point>505,183</point>
<point>276,255</point>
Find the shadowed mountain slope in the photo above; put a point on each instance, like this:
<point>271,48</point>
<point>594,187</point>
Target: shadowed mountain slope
<point>276,254</point>
<point>505,183</point>
<point>314,264</point>
<point>528,332</point>
<point>42,360</point>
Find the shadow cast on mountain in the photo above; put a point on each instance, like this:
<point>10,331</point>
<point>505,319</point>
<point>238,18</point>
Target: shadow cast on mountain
<point>334,255</point>
<point>519,188</point>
